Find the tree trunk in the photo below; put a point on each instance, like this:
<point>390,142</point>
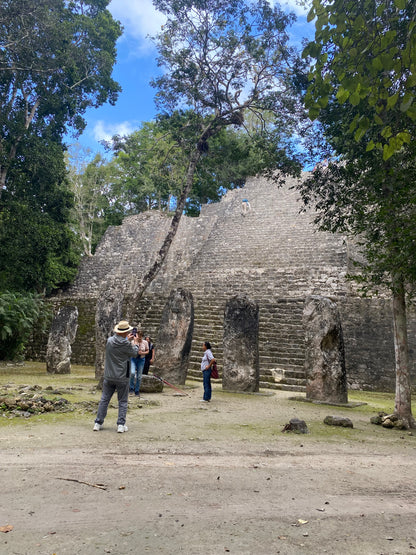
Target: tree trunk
<point>164,249</point>
<point>403,399</point>
<point>116,303</point>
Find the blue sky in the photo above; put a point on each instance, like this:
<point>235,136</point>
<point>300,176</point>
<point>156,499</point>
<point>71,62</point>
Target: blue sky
<point>136,65</point>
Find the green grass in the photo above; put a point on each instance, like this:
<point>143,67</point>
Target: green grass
<point>80,389</point>
<point>375,401</point>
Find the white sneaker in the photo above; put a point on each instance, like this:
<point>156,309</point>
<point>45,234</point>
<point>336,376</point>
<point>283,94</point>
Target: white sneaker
<point>121,428</point>
<point>97,427</point>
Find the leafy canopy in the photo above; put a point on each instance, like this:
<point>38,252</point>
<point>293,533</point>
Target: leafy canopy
<point>224,60</point>
<point>56,59</point>
<point>38,249</point>
<point>362,193</point>
<point>364,53</point>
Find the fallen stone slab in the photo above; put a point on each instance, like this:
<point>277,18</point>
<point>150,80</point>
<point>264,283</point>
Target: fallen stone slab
<point>338,421</point>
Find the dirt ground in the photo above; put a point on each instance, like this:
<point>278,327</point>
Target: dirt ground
<point>207,479</point>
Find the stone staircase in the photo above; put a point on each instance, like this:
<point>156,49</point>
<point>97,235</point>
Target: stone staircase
<point>273,256</point>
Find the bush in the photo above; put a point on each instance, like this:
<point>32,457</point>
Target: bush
<point>18,314</point>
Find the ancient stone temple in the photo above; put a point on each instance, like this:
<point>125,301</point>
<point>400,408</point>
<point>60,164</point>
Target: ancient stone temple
<point>272,254</point>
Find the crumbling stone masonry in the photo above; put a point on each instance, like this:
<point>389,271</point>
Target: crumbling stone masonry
<point>273,255</point>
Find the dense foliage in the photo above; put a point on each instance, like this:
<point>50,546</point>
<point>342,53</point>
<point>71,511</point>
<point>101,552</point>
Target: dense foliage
<point>56,60</point>
<point>361,89</point>
<point>38,249</point>
<point>366,191</point>
<point>368,49</point>
<point>18,313</point>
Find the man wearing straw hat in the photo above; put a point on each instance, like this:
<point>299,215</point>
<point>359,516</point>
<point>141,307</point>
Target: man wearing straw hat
<point>118,352</point>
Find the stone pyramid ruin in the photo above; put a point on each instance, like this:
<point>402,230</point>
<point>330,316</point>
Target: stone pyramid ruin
<point>272,254</point>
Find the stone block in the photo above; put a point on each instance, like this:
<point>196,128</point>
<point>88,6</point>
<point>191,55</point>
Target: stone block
<point>241,352</point>
<point>175,337</point>
<point>326,378</point>
<point>61,336</point>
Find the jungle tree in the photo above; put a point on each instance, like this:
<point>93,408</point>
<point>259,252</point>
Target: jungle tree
<point>56,60</point>
<point>220,59</point>
<point>362,91</point>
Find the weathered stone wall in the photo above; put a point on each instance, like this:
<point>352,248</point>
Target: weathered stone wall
<point>272,255</point>
<point>369,347</point>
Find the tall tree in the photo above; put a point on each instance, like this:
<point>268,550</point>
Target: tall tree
<point>368,191</point>
<point>148,168</point>
<point>56,59</point>
<point>38,249</point>
<point>150,164</point>
<point>90,182</point>
<point>222,59</point>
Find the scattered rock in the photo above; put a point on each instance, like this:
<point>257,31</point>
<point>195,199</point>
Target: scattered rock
<point>297,426</point>
<point>151,384</point>
<point>388,421</point>
<point>338,421</point>
<point>24,406</point>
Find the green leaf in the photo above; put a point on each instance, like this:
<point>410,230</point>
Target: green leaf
<point>355,98</point>
<point>376,64</point>
<point>392,100</point>
<point>353,124</point>
<point>404,137</point>
<point>386,132</point>
<point>371,145</point>
<point>359,134</point>
<point>311,15</point>
<point>342,95</point>
<point>400,4</point>
<point>406,102</point>
<point>388,151</point>
<point>323,101</point>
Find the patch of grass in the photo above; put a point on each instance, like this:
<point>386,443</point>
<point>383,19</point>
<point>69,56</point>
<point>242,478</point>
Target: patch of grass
<point>375,401</point>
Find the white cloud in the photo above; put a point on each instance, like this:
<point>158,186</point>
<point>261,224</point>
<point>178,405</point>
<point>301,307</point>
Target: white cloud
<point>293,6</point>
<point>105,131</point>
<point>138,17</point>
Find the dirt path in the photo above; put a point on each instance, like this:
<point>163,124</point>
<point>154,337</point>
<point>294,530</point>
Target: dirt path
<point>207,479</point>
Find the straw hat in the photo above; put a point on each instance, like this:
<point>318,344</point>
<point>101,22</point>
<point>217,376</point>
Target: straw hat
<point>123,327</point>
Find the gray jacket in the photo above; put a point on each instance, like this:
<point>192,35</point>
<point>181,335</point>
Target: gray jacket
<point>118,352</point>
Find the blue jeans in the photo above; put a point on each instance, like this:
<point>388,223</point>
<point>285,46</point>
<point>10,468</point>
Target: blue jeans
<point>206,374</point>
<point>109,387</point>
<point>136,371</point>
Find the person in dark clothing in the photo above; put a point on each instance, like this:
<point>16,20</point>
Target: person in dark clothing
<point>150,357</point>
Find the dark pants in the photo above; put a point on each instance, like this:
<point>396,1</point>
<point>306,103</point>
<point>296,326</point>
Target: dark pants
<point>206,374</point>
<point>109,387</point>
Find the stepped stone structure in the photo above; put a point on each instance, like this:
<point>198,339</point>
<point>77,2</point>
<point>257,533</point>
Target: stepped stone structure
<point>272,254</point>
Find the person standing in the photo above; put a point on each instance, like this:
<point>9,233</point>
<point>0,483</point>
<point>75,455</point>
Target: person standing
<point>150,357</point>
<point>118,352</point>
<point>137,363</point>
<point>206,363</point>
